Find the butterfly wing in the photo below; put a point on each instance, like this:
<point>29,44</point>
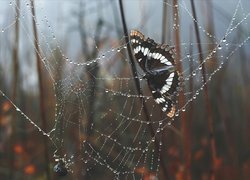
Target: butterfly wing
<point>158,60</point>
<point>164,85</point>
<point>164,88</point>
<point>141,47</point>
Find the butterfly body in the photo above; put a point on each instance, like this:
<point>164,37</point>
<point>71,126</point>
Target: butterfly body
<point>157,61</point>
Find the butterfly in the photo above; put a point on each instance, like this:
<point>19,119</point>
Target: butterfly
<point>158,63</point>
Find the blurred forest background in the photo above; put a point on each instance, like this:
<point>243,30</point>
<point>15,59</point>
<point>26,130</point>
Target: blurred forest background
<point>210,140</point>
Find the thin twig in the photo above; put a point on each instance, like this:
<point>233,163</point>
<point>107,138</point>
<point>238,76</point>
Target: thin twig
<point>139,91</point>
<point>191,110</point>
<point>183,115</point>
<point>41,89</point>
<point>164,22</point>
<point>207,102</point>
<point>14,92</point>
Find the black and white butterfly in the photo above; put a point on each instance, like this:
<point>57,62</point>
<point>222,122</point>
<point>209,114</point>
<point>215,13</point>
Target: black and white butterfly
<point>157,62</point>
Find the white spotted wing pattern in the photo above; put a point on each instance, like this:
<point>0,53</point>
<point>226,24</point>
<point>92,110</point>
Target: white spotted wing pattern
<point>157,61</point>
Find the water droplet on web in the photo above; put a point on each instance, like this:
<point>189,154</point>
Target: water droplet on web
<point>2,30</point>
<point>45,134</point>
<point>103,56</point>
<point>188,55</point>
<point>219,47</point>
<point>10,3</point>
<point>224,40</point>
<point>193,73</point>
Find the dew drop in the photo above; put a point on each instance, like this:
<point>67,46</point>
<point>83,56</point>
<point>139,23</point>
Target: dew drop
<point>45,134</point>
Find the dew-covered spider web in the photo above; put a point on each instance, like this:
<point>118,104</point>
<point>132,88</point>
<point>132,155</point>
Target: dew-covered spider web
<point>96,120</point>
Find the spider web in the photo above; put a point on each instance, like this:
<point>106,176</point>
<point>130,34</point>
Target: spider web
<point>99,124</point>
